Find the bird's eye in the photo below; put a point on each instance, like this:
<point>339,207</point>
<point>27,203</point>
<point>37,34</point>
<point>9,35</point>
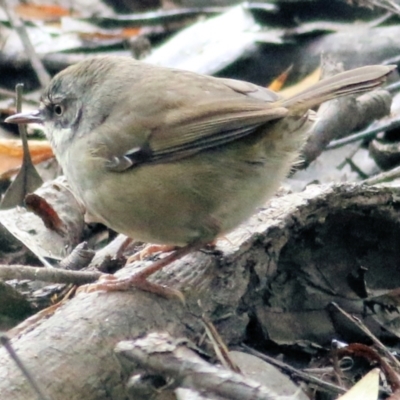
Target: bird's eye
<point>58,110</point>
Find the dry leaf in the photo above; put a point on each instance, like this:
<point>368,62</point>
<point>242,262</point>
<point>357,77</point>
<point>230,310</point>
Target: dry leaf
<point>40,11</point>
<point>101,36</point>
<point>278,82</point>
<point>304,84</point>
<point>366,389</point>
<point>11,154</point>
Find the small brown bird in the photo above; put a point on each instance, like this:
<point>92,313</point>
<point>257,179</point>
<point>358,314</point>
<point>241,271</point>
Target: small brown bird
<point>173,157</point>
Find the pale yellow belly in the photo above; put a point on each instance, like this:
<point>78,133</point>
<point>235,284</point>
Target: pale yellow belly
<point>193,199</point>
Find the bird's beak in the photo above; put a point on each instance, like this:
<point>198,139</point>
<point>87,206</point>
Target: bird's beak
<point>26,118</point>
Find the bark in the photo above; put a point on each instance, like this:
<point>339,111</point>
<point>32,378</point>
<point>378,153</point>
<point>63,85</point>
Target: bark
<point>71,354</point>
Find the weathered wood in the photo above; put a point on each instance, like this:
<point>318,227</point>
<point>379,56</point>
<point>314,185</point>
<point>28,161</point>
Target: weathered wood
<point>71,354</point>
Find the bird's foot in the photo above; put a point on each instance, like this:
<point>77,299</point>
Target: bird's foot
<point>149,250</point>
<point>110,283</point>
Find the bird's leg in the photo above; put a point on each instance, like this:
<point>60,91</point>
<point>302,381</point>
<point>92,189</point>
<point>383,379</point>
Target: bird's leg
<point>139,279</point>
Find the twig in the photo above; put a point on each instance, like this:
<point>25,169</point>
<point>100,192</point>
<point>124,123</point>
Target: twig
<point>164,355</point>
<point>387,5</point>
<point>27,179</point>
<point>343,116</point>
<point>18,25</point>
<point>383,177</point>
<point>367,332</point>
<point>368,133</point>
<point>8,272</point>
<point>393,87</point>
<point>325,386</point>
<point>219,346</point>
<point>5,341</point>
<point>112,255</point>
<point>27,160</point>
<point>78,259</point>
<point>30,98</point>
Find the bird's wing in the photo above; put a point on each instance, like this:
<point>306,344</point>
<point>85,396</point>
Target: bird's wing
<point>209,125</point>
<point>186,125</point>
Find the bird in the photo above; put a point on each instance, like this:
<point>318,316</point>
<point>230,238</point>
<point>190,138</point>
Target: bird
<point>173,157</point>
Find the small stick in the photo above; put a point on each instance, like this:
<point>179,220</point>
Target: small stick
<point>367,332</point>
<point>368,133</point>
<point>18,25</point>
<point>56,275</point>
<point>325,386</point>
<point>5,341</point>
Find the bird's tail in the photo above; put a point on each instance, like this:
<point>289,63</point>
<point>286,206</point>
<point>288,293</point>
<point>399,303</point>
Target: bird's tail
<point>357,80</point>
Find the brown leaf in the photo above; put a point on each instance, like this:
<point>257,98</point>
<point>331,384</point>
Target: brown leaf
<point>11,153</point>
<point>40,11</point>
<point>102,36</point>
